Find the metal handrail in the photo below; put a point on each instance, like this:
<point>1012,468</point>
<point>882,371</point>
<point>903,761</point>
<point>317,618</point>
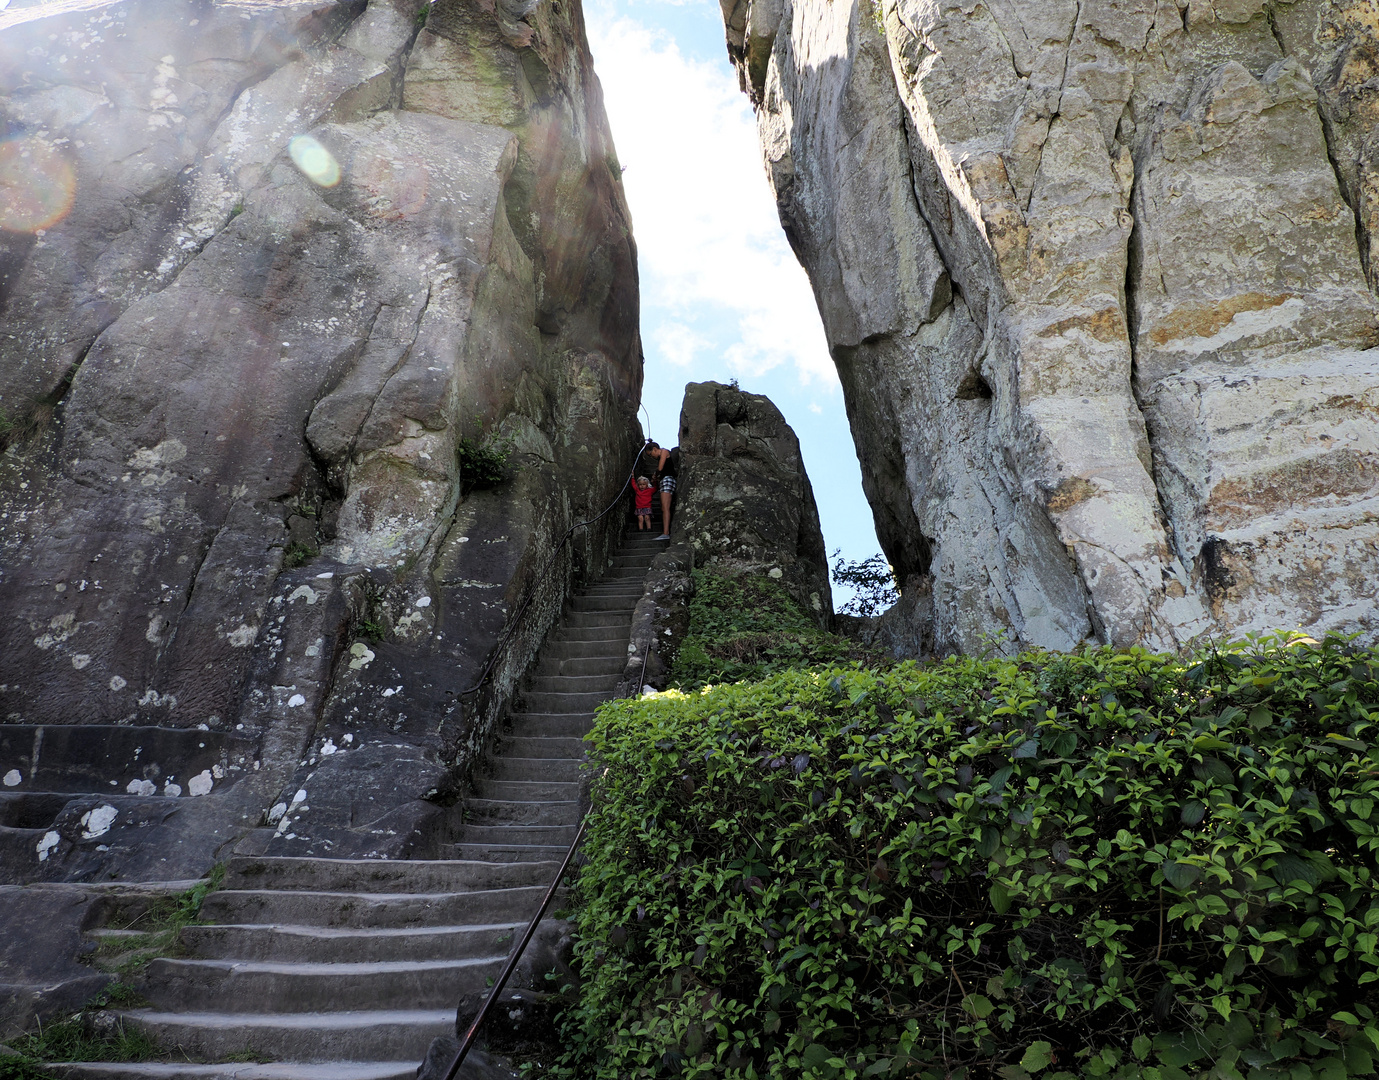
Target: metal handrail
<point>467,1043</point>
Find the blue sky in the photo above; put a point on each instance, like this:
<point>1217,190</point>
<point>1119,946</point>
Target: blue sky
<point>722,294</point>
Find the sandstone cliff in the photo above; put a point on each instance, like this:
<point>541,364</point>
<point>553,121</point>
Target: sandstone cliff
<point>278,272</point>
<point>1098,279</point>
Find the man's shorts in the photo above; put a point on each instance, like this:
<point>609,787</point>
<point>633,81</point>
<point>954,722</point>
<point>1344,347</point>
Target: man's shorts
<point>667,483</point>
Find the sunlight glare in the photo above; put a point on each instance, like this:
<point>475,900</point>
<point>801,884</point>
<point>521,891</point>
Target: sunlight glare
<point>37,185</point>
<point>315,161</point>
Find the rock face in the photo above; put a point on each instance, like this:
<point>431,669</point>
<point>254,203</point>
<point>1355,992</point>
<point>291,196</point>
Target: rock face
<point>1098,280</point>
<point>276,279</point>
<point>744,505</point>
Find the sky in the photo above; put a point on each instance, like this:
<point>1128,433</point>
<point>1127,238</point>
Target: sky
<point>723,296</point>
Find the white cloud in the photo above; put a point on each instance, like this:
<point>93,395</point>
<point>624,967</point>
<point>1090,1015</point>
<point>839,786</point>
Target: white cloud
<point>678,343</point>
<point>709,242</point>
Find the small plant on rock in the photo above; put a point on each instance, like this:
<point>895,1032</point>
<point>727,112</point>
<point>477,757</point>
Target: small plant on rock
<point>483,462</point>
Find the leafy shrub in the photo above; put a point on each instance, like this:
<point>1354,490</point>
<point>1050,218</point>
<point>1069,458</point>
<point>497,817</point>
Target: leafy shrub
<point>749,627</point>
<point>483,462</point>
<point>872,583</point>
<point>1100,864</point>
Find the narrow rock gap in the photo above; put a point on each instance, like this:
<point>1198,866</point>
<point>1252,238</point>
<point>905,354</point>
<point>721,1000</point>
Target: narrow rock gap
<point>1131,291</point>
<point>400,75</point>
<point>44,414</point>
<point>913,188</point>
<point>392,372</point>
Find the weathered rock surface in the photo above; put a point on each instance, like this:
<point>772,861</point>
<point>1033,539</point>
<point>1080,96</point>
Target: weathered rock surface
<point>743,505</point>
<point>1094,276</point>
<point>315,253</point>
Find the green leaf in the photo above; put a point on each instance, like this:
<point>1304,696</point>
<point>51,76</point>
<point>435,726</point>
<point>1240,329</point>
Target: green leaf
<point>1141,1046</point>
<point>1037,1056</point>
<point>815,1056</point>
<point>1181,875</point>
<point>1193,812</point>
<point>979,1005</point>
<point>1000,898</point>
<point>1000,778</point>
<point>1027,749</point>
<point>1358,1060</point>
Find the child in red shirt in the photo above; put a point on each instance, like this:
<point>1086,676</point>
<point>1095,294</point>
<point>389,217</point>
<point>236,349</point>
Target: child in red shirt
<point>643,496</point>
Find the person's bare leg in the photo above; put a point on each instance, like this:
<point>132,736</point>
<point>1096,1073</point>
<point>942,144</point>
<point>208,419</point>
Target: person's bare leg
<point>665,513</point>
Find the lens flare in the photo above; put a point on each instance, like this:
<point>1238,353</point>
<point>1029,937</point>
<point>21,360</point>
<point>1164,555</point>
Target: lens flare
<point>37,185</point>
<point>314,160</point>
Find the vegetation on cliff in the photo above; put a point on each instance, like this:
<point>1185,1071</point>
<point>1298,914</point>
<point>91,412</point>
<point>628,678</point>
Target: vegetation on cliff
<point>748,627</point>
<point>1107,863</point>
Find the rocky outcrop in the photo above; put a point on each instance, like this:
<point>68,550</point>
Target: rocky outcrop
<point>280,276</point>
<point>1097,278</point>
<point>743,505</point>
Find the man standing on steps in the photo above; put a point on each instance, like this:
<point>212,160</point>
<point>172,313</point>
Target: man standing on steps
<point>667,463</point>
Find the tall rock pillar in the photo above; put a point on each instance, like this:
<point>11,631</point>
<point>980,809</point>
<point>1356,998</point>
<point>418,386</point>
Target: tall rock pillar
<point>1091,278</point>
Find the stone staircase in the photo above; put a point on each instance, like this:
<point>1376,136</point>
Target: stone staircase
<point>332,969</point>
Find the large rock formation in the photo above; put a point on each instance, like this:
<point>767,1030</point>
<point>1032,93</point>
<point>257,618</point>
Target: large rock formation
<point>275,276</point>
<point>744,506</point>
<point>1098,280</point>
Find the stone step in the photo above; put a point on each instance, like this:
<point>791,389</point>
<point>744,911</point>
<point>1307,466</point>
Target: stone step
<point>553,665</point>
<point>517,836</point>
<point>632,587</point>
<point>539,770</point>
<point>296,987</point>
<point>572,684</point>
<point>276,1070</point>
<point>548,702</point>
<point>543,725</point>
<point>506,852</point>
<point>623,605</point>
<point>527,789</point>
<point>604,634</point>
<point>633,569</point>
<point>390,1034</point>
<point>565,649</point>
<point>543,747</point>
<point>375,875</point>
<point>517,812</point>
<point>359,910</point>
<point>320,945</point>
<point>585,620</point>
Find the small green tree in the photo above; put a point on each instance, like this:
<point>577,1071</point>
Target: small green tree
<point>872,583</point>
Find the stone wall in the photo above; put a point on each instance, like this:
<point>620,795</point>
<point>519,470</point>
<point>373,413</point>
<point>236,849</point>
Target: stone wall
<point>282,265</point>
<point>1097,277</point>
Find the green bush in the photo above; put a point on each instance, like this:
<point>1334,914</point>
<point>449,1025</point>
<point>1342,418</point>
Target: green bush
<point>748,627</point>
<point>483,462</point>
<point>1099,864</point>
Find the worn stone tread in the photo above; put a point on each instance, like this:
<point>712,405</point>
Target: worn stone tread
<point>278,1070</point>
<point>325,944</point>
<point>306,1036</point>
<point>377,875</point>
